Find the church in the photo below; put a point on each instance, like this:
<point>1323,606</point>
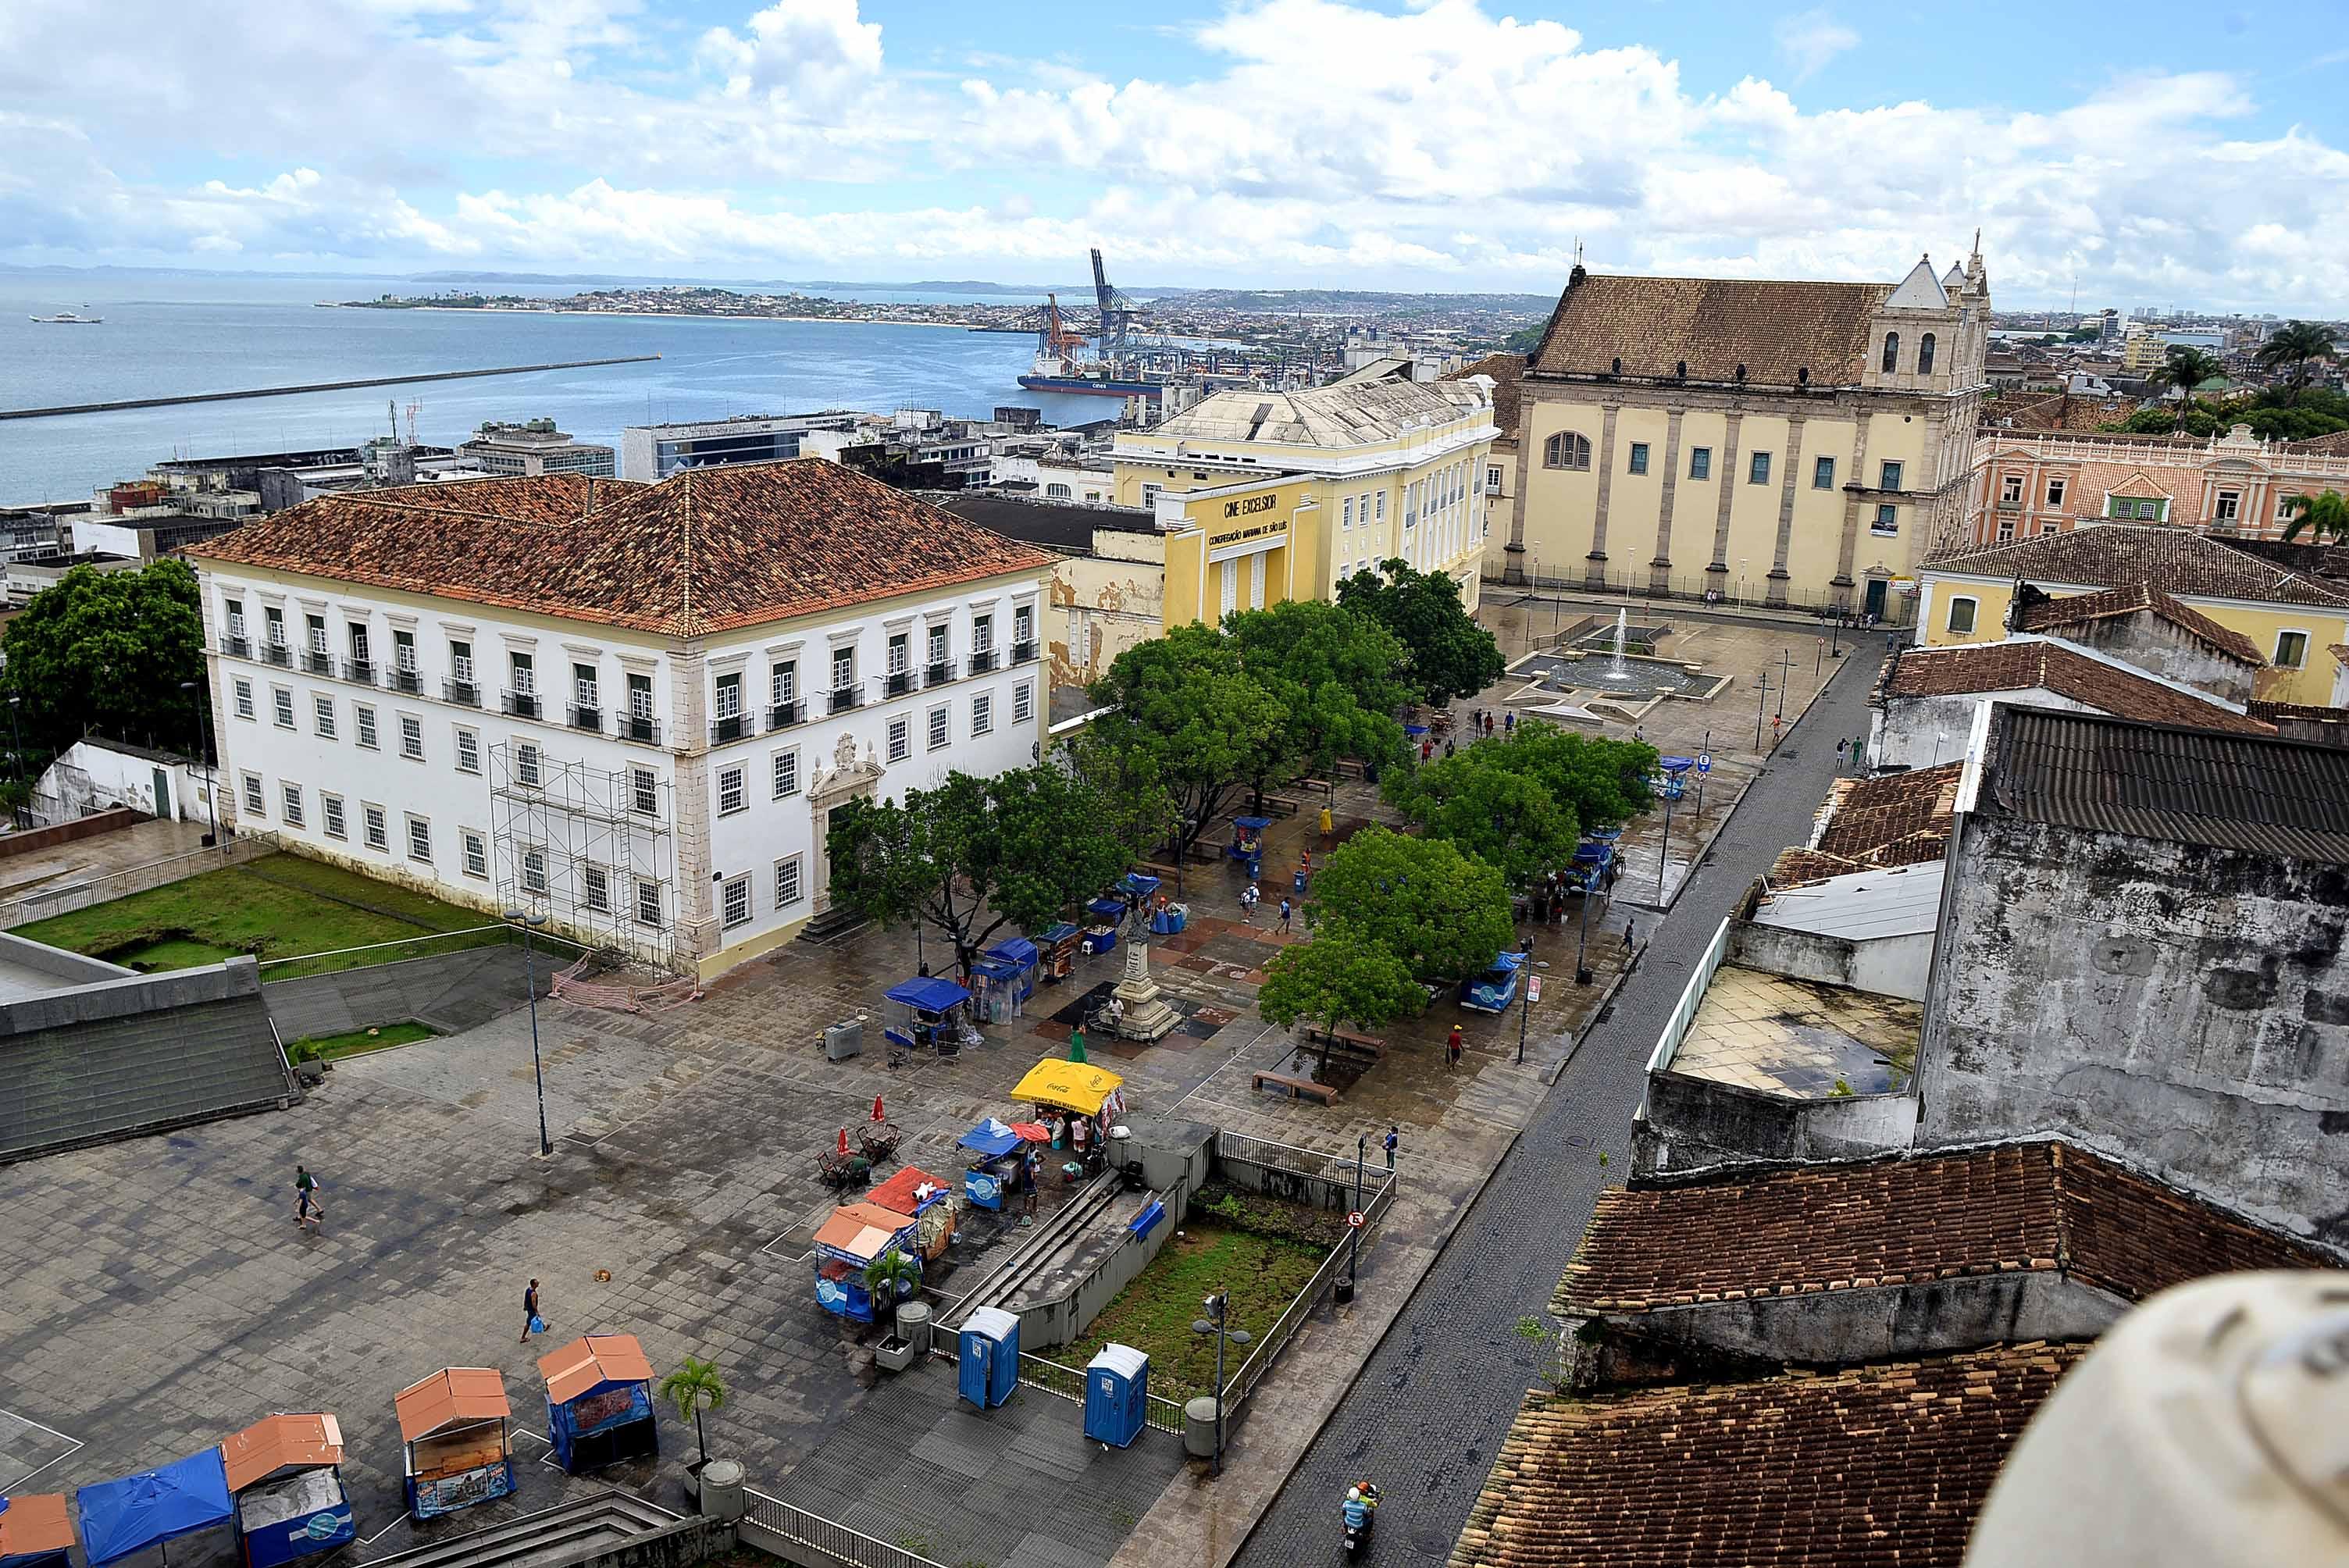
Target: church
<point>1784,443</point>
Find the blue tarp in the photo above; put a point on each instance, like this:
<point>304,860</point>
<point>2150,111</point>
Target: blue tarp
<point>1107,908</point>
<point>1676,763</point>
<point>121,1517</point>
<point>1507,961</point>
<point>932,995</point>
<point>1254,824</point>
<point>990,1138</point>
<point>1137,883</point>
<point>996,968</point>
<point>1145,1222</point>
<point>1015,950</point>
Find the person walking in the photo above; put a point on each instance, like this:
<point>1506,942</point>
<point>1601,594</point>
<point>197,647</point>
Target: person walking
<point>1284,914</point>
<point>531,1322</point>
<point>306,1212</point>
<point>1248,896</point>
<point>1451,1051</point>
<point>1509,724</point>
<point>1027,1188</point>
<point>1489,727</point>
<point>1394,1138</point>
<point>1426,749</point>
<point>1842,746</point>
<point>1329,827</point>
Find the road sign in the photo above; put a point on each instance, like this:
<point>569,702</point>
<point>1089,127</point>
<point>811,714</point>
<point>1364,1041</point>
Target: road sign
<point>1354,1219</point>
<point>1704,761</point>
<point>1533,989</point>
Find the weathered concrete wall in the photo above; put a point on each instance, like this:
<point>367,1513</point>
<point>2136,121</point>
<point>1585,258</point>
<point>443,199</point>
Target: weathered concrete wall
<point>2182,1007</point>
<point>678,1545</point>
<point>2162,648</point>
<point>1104,604</point>
<point>449,991</point>
<point>1887,966</point>
<point>1691,1124</point>
<point>113,820</point>
<point>74,968</point>
<point>1923,731</point>
<point>1060,1301</point>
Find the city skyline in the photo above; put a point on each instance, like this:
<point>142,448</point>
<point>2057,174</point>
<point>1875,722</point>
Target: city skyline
<point>1448,146</point>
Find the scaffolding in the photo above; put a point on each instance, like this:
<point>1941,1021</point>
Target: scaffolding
<point>590,848</point>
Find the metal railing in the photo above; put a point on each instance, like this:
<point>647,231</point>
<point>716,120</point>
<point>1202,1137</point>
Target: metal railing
<point>847,696</point>
<point>465,694</point>
<point>407,680</point>
<point>316,662</point>
<point>1023,652</point>
<point>1668,1043</point>
<point>642,730</point>
<point>940,672</point>
<point>1294,1157</point>
<point>237,647</point>
<point>360,672</point>
<point>899,682</point>
<point>827,1537</point>
<point>1308,1301</point>
<point>277,653</point>
<point>731,727</point>
<point>522,704</point>
<point>70,896</point>
<point>981,660</point>
<point>590,720</point>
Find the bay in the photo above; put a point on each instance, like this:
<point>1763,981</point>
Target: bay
<point>166,335</point>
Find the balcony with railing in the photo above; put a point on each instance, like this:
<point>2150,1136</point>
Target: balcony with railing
<point>406,679</point>
<point>237,647</point>
<point>847,696</point>
<point>278,653</point>
<point>939,673</point>
<point>899,682</point>
<point>465,694</point>
<point>590,720</point>
<point>981,660</point>
<point>642,728</point>
<point>731,727</point>
<point>784,715</point>
<point>521,705</point>
<point>360,672</point>
<point>314,662</point>
<point>1023,652</point>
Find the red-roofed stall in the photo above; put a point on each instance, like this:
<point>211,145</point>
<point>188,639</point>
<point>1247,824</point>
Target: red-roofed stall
<point>599,1401</point>
<point>36,1530</point>
<point>285,1477</point>
<point>457,1447</point>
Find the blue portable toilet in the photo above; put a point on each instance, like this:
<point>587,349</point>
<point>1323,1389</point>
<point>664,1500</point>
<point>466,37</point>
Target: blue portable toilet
<point>987,1364</point>
<point>1117,1395</point>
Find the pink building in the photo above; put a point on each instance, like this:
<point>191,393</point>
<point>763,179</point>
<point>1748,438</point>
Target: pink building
<point>2030,482</point>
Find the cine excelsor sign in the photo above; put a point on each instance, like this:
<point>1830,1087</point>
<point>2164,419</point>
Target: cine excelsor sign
<point>1241,508</point>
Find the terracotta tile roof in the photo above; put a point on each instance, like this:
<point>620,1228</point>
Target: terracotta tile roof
<point>2056,411</point>
<point>452,1397</point>
<point>36,1522</point>
<point>2026,663</point>
<point>273,1442</point>
<point>1898,820</point>
<point>1871,1465</point>
<point>1905,1220</point>
<point>1776,330</point>
<point>1508,374</point>
<point>2336,442</point>
<point>590,1361</point>
<point>707,549</point>
<point>1796,865</point>
<point>2177,560</point>
<point>2078,609</point>
<point>2304,712</point>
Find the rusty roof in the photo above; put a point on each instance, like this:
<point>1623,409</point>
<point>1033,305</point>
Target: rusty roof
<point>1878,1464</point>
<point>2136,598</point>
<point>1778,334</point>
<point>2177,560</point>
<point>277,1442</point>
<point>591,1360</point>
<point>1508,374</point>
<point>2262,794</point>
<point>2031,664</point>
<point>452,1397</point>
<point>1907,1220</point>
<point>36,1521</point>
<point>704,551</point>
<point>1897,820</point>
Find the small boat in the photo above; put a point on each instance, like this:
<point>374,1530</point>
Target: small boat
<point>69,318</point>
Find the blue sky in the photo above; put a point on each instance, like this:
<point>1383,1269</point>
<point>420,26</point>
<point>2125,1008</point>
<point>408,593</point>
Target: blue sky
<point>2163,154</point>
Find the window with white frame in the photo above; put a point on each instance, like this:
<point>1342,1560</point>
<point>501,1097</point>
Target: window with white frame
<point>282,706</point>
<point>1346,514</point>
<point>936,641</point>
<point>1492,478</point>
<point>533,871</point>
<point>469,750</point>
<point>292,795</point>
<point>322,712</point>
<point>843,667</point>
<point>1888,477</point>
<point>1962,616</point>
<point>938,727</point>
<point>411,736</point>
<point>460,661</point>
<point>2230,505</point>
<point>734,901</point>
<point>2055,490</point>
<point>243,693</point>
<point>527,772</point>
<point>649,901</point>
<point>1382,505</point>
<point>273,621</point>
<point>235,608</point>
<point>586,689</point>
<point>787,881</point>
<point>330,813</point>
<point>2291,650</point>
<point>2283,514</point>
<point>253,796</point>
<point>419,839</point>
<point>403,652</point>
<point>316,626</point>
<point>525,672</point>
<point>1023,623</point>
<point>982,634</point>
<point>363,723</point>
<point>787,773</point>
<point>728,702</point>
<point>901,740</point>
<point>1023,703</point>
<point>371,821</point>
<point>982,713</point>
<point>595,889</point>
<point>784,683</point>
<point>644,791</point>
<point>731,794</point>
<point>1888,519</point>
<point>477,855</point>
<point>1150,496</point>
<point>1566,449</point>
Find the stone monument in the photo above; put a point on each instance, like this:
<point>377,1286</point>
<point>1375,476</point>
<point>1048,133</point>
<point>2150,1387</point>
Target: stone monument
<point>1146,1015</point>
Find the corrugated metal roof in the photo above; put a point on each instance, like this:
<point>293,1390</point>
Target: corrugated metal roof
<point>2285,797</point>
<point>1901,902</point>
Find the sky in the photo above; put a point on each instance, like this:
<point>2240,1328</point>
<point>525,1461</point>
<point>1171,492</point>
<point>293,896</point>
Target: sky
<point>2194,156</point>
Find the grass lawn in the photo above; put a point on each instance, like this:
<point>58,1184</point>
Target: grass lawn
<point>1154,1314</point>
<point>279,906</point>
<point>358,1042</point>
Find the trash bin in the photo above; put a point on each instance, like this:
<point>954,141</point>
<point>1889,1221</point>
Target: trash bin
<point>844,1039</point>
<point>1199,1428</point>
<point>914,1325</point>
<point>721,1490</point>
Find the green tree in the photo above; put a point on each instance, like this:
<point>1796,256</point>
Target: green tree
<point>1525,340</point>
<point>693,1389</point>
<point>1334,672</point>
<point>1505,817</point>
<point>975,854</point>
<point>2291,347</point>
<point>1604,783</point>
<point>1190,721</point>
<point>2083,335</point>
<point>891,1277</point>
<point>1448,655</point>
<point>2327,515</point>
<point>109,653</point>
<point>1441,913</point>
<point>1341,978</point>
<point>2185,368</point>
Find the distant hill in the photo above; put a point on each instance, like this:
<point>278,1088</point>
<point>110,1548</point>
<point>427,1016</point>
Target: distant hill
<point>1340,302</point>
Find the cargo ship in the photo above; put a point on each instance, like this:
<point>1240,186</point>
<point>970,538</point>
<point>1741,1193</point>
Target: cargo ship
<point>1057,368</point>
<point>1101,386</point>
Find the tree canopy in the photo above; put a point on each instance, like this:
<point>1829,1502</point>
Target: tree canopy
<point>110,652</point>
<point>1507,818</point>
<point>1333,673</point>
<point>2186,367</point>
<point>1022,847</point>
<point>2327,515</point>
<point>1442,913</point>
<point>1341,978</point>
<point>1447,655</point>
<point>1603,782</point>
<point>2291,348</point>
<point>1191,720</point>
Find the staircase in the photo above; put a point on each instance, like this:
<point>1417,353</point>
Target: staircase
<point>834,926</point>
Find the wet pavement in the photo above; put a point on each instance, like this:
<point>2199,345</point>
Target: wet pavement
<point>1779,1035</point>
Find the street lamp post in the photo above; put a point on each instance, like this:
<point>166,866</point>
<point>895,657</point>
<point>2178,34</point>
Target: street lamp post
<point>1354,1232</point>
<point>529,922</point>
<point>15,747</point>
<point>1664,854</point>
<point>204,747</point>
<point>1214,1323</point>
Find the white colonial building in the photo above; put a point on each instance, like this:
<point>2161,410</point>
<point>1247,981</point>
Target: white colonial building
<point>631,707</point>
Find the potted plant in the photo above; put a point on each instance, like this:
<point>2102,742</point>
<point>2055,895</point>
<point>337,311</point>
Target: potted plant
<point>693,1389</point>
<point>891,1277</point>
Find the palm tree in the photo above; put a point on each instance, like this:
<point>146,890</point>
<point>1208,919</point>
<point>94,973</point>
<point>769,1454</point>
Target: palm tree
<point>2327,514</point>
<point>2294,344</point>
<point>891,1277</point>
<point>695,1387</point>
<point>2186,368</point>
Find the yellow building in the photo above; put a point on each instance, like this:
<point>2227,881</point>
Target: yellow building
<point>1266,496</point>
<point>1785,443</point>
<point>2292,620</point>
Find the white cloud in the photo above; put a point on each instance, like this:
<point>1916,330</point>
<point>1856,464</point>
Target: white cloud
<point>1810,39</point>
<point>1324,141</point>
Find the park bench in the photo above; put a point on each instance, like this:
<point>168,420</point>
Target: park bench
<point>1320,785</point>
<point>1348,1041</point>
<point>1298,1088</point>
<point>1281,806</point>
<point>1349,768</point>
<point>1162,872</point>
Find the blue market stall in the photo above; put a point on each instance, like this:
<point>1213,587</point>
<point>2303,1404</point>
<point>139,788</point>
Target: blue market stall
<point>285,1472</point>
<point>1496,987</point>
<point>36,1530</point>
<point>1248,843</point>
<point>1117,1395</point>
<point>129,1515</point>
<point>997,1152</point>
<point>1100,930</point>
<point>1022,957</point>
<point>599,1401</point>
<point>933,1014</point>
<point>1593,858</point>
<point>1056,947</point>
<point>1670,782</point>
<point>986,1359</point>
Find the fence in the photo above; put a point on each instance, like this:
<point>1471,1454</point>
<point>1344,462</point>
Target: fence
<point>1286,1156</point>
<point>787,1527</point>
<point>501,935</point>
<point>1308,1301</point>
<point>70,896</point>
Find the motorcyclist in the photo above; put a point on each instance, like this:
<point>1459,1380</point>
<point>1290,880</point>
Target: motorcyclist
<point>1362,1503</point>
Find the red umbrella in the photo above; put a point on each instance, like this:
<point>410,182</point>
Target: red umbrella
<point>879,1113</point>
<point>1033,1132</point>
<point>843,1140</point>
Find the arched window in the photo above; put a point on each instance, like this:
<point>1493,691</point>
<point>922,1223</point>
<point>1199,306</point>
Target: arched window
<point>1892,352</point>
<point>1056,492</point>
<point>1566,450</point>
<point>1925,355</point>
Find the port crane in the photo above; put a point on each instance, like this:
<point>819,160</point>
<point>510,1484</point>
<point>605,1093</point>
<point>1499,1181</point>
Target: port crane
<point>1118,314</point>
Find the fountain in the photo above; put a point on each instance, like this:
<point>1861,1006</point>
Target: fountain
<point>1616,669</point>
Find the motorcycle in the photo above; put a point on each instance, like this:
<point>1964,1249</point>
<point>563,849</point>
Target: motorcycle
<point>1358,1534</point>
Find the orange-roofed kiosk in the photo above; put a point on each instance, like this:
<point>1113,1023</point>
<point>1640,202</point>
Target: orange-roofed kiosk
<point>286,1480</point>
<point>599,1401</point>
<point>36,1530</point>
<point>457,1447</point>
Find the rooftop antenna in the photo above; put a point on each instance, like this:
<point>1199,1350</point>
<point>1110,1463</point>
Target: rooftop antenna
<point>415,407</point>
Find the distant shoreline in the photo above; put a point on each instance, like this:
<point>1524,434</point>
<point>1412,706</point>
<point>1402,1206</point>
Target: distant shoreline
<point>654,315</point>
